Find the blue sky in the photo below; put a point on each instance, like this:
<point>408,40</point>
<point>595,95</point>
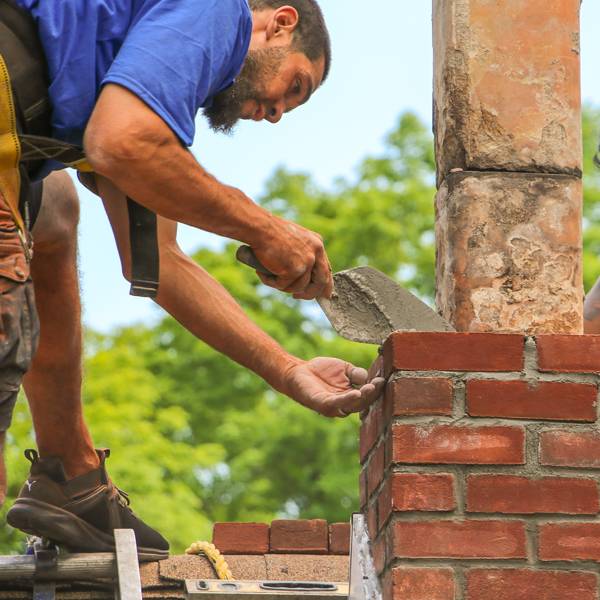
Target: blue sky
<point>382,67</point>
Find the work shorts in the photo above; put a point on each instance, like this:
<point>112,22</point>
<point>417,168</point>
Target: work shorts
<point>19,333</point>
<point>19,325</point>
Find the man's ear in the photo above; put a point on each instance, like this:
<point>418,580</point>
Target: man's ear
<point>283,22</point>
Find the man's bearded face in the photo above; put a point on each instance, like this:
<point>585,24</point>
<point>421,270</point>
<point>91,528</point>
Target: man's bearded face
<point>260,67</point>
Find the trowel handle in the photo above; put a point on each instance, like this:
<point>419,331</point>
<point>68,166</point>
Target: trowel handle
<point>246,256</point>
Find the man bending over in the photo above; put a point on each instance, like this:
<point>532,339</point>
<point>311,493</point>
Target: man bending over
<point>126,79</point>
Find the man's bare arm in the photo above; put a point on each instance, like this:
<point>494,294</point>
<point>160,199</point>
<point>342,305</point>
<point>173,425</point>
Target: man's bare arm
<point>206,309</point>
<point>130,145</point>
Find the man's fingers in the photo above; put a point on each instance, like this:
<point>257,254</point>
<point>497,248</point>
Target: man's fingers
<point>269,280</point>
<point>321,275</point>
<point>369,393</point>
<point>277,283</point>
<point>379,383</point>
<point>301,284</point>
<point>357,375</point>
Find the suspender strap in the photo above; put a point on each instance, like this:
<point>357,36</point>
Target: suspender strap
<point>144,250</point>
<point>142,222</point>
<point>39,148</point>
<point>10,148</point>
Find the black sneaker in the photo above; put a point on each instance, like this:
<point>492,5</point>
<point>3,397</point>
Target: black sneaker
<point>79,513</point>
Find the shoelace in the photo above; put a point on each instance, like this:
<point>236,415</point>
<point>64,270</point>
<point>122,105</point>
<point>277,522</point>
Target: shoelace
<point>120,496</point>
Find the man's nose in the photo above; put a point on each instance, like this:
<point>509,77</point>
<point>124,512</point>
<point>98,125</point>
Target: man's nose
<point>276,112</point>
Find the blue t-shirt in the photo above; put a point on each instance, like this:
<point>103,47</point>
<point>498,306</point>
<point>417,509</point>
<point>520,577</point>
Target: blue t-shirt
<point>175,55</point>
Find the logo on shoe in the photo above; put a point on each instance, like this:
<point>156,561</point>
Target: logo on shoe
<point>30,484</point>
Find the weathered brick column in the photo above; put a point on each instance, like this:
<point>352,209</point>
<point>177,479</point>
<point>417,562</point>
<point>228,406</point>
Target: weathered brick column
<point>508,144</point>
<point>481,467</point>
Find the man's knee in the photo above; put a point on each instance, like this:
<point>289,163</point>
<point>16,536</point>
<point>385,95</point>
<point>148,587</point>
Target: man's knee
<point>58,219</point>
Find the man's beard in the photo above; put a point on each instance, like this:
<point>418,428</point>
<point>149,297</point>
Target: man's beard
<point>259,67</point>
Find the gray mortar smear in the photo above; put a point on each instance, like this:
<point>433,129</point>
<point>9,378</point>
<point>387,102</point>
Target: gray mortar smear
<point>367,306</point>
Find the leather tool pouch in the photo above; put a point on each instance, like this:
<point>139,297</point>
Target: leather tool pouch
<point>24,56</point>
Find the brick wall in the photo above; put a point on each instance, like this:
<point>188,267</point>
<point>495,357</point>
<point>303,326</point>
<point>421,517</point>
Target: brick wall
<point>481,468</point>
<point>283,536</point>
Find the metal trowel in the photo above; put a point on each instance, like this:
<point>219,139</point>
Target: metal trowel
<point>366,305</point>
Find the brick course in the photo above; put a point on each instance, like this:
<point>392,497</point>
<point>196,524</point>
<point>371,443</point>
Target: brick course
<point>528,584</point>
<point>422,396</point>
<point>520,495</point>
<point>422,492</point>
<point>452,444</point>
<point>241,538</point>
<point>570,541</point>
<point>410,351</point>
<point>423,584</point>
<point>299,537</point>
<point>569,354</point>
<point>522,400</point>
<point>459,539</point>
<point>339,538</point>
<point>570,448</point>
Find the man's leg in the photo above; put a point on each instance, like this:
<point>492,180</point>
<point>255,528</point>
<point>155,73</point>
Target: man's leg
<point>68,497</point>
<point>53,384</point>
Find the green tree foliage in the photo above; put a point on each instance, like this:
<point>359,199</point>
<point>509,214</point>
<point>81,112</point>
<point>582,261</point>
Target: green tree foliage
<point>196,438</point>
<point>591,190</point>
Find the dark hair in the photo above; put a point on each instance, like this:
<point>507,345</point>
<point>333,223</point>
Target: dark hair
<point>311,36</point>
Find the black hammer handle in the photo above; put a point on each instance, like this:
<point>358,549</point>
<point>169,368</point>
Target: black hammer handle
<point>246,256</point>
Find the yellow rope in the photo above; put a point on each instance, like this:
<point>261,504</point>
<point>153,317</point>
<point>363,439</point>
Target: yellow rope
<point>214,556</point>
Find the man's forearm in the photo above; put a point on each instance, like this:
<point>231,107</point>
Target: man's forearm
<point>205,308</point>
<point>147,162</point>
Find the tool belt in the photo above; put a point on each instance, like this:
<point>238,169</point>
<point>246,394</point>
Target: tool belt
<point>25,142</point>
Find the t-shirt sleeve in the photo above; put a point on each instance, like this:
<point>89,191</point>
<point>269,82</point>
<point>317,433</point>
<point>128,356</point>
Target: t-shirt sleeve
<point>180,53</point>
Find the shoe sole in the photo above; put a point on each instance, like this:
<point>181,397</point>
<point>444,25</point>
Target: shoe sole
<point>62,527</point>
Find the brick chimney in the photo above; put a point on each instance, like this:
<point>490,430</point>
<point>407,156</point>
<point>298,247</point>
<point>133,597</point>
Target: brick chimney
<point>481,468</point>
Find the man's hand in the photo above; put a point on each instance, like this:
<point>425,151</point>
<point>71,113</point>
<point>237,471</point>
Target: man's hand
<point>332,387</point>
<point>297,258</point>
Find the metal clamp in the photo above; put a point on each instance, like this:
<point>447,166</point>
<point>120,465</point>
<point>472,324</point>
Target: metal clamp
<point>46,558</point>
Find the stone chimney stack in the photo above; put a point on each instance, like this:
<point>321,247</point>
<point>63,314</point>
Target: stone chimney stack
<point>507,111</point>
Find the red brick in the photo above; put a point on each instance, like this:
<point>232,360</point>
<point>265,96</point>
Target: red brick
<point>423,584</point>
<point>416,492</point>
<point>569,353</point>
<point>363,489</point>
<point>431,351</point>
<point>388,587</point>
<point>375,469</point>
<point>528,584</point>
<point>379,555</point>
<point>520,400</point>
<point>519,495</point>
<point>460,539</point>
<point>372,522</point>
<point>339,538</point>
<point>570,541</point>
<point>300,537</point>
<point>412,396</point>
<point>451,444</point>
<point>370,430</point>
<point>241,538</point>
<point>570,449</point>
<point>376,369</point>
